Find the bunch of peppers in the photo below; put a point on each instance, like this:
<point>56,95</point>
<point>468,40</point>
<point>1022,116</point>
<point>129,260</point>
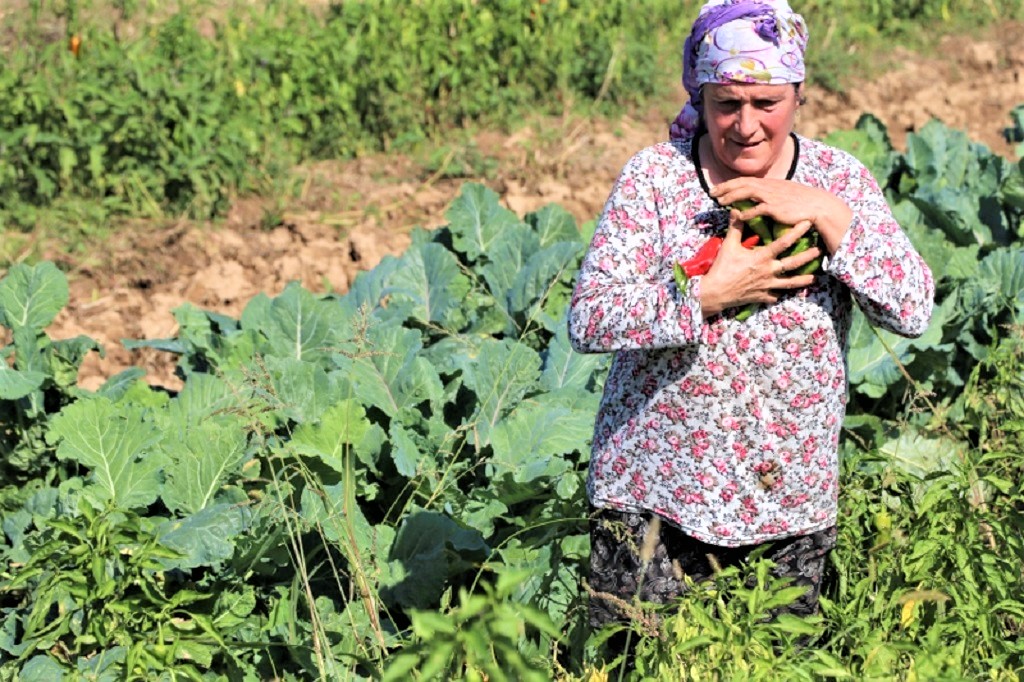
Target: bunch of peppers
<point>759,229</point>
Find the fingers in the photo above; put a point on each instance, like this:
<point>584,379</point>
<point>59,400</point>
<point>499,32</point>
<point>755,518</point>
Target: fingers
<point>731,191</point>
<point>783,201</point>
<point>735,231</point>
<point>789,238</point>
<point>783,265</point>
<point>783,280</point>
<point>794,282</point>
<point>797,261</point>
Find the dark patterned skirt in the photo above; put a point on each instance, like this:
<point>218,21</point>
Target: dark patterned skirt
<point>617,549</point>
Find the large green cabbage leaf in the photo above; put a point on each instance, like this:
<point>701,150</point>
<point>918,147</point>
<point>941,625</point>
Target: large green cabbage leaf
<point>477,220</point>
<point>32,295</point>
<point>119,446</point>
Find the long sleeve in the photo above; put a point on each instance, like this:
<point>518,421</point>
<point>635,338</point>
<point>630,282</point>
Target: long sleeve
<point>889,280</point>
<point>730,430</point>
<point>625,296</point>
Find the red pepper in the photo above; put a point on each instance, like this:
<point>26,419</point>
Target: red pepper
<point>706,254</point>
<point>701,261</point>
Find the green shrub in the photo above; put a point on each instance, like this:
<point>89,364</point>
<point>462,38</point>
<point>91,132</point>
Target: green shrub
<point>171,121</point>
<point>167,118</point>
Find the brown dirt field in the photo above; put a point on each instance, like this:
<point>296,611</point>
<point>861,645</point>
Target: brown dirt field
<point>346,216</point>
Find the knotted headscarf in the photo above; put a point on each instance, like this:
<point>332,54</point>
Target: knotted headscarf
<point>739,41</point>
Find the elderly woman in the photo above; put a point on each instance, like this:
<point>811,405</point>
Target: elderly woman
<point>720,430</point>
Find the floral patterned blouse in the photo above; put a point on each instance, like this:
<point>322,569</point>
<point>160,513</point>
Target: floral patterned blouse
<point>730,429</point>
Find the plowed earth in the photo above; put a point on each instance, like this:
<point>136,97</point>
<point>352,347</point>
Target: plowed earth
<point>346,216</point>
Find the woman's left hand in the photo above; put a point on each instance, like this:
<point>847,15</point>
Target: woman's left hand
<point>789,203</point>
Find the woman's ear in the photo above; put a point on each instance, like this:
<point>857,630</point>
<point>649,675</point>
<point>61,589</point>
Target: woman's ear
<point>800,98</point>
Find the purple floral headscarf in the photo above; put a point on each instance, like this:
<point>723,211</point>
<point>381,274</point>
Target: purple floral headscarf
<point>739,41</point>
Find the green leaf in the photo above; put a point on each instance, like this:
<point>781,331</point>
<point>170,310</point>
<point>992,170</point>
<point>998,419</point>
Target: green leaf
<point>501,375</point>
<point>876,355</point>
<point>549,578</point>
<point>957,185</point>
<point>12,640</point>
<point>477,219</point>
<point>16,384</point>
<point>869,142</point>
<point>1012,190</point>
<point>930,242</point>
<point>105,666</point>
<point>962,262</point>
<point>827,665</point>
<point>43,506</point>
<point>1001,274</point>
<point>429,624</point>
<point>118,385</point>
<point>368,289</point>
<point>400,667</point>
<point>206,538</point>
<point>938,155</point>
<point>483,510</point>
<point>117,444</point>
<point>191,650</point>
<point>302,390</point>
<point>954,213</point>
<point>233,608</point>
<point>202,458</point>
<point>428,549</point>
<point>31,296</point>
<point>506,260</point>
<point>41,668</point>
<point>391,375</point>
<point>208,342</point>
<point>404,452</point>
<point>535,281</point>
<point>568,485</point>
<point>335,510</point>
<point>31,347</point>
<point>343,428</point>
<point>429,285</point>
<point>438,661</point>
<point>203,396</point>
<point>297,324</point>
<point>785,596</point>
<point>263,550</point>
<point>564,368</point>
<point>553,224</point>
<point>919,455</point>
<point>65,356</point>
<point>530,442</point>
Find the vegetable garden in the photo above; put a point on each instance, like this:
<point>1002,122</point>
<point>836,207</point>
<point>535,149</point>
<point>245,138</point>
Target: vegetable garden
<point>387,483</point>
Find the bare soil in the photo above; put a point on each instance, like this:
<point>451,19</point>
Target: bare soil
<point>346,216</point>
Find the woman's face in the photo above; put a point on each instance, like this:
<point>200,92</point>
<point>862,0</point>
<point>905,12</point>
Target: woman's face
<point>749,125</point>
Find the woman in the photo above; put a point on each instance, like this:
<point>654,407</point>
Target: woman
<point>725,429</point>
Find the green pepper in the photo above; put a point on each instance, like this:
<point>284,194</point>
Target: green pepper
<point>761,225</point>
<point>769,230</point>
<point>680,276</point>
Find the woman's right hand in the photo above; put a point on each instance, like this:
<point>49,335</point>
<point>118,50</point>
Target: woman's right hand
<point>740,275</point>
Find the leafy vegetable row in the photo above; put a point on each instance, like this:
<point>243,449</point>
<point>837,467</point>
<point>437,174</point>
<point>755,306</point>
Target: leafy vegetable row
<point>390,481</point>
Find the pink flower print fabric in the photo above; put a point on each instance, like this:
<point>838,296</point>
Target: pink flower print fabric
<point>728,429</point>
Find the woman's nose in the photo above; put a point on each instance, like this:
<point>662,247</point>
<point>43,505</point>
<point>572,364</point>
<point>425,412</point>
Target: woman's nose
<point>746,121</point>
